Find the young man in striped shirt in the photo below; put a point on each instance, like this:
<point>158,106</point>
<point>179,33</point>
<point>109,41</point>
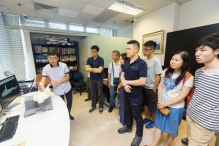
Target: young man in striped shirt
<point>203,111</point>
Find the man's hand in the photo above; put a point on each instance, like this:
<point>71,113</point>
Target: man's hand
<point>128,88</point>
<point>117,91</point>
<point>55,82</point>
<point>88,66</point>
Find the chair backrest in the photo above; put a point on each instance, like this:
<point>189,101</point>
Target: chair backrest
<point>77,76</point>
<point>38,79</point>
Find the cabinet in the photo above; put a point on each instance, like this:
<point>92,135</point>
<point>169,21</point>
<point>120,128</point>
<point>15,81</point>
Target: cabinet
<point>67,48</point>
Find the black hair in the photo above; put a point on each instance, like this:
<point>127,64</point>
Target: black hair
<point>211,41</point>
<point>150,44</point>
<point>134,42</point>
<point>124,57</point>
<point>95,47</point>
<point>52,52</point>
<point>184,68</point>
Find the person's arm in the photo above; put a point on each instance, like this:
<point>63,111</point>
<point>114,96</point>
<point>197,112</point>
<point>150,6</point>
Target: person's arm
<point>41,87</point>
<point>89,69</point>
<point>56,82</point>
<point>140,82</point>
<point>109,79</point>
<point>160,90</point>
<point>184,92</point>
<point>97,70</point>
<point>157,80</point>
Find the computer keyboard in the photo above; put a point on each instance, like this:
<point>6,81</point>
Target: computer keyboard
<point>22,84</point>
<point>9,128</point>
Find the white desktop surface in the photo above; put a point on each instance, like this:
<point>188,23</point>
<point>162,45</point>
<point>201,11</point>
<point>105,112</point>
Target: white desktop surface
<point>48,128</point>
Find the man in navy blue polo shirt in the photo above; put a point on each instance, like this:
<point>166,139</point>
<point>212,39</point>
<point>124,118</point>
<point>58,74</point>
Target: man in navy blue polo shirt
<point>95,66</point>
<point>133,77</point>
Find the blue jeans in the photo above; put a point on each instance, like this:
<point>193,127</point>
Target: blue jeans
<point>112,95</point>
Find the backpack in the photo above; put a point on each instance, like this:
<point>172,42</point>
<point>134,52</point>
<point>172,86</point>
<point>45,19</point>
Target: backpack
<point>191,92</point>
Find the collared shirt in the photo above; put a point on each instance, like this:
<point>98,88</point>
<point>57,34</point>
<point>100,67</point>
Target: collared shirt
<point>133,71</point>
<point>98,62</point>
<point>117,71</point>
<point>57,73</point>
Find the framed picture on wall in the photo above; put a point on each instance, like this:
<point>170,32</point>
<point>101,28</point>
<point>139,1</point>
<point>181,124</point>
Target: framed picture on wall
<point>156,37</point>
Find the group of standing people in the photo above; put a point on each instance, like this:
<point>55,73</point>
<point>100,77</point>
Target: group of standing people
<point>143,82</point>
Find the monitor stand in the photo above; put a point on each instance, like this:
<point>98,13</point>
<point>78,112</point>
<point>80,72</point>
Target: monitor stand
<point>33,107</point>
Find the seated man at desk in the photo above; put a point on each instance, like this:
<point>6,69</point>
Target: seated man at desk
<point>58,72</point>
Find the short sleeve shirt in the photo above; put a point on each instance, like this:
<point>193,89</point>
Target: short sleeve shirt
<point>134,71</point>
<point>154,68</point>
<point>171,90</point>
<point>98,62</point>
<point>117,71</point>
<point>58,73</point>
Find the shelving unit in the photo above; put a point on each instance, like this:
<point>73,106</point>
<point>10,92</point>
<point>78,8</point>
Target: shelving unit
<point>68,50</point>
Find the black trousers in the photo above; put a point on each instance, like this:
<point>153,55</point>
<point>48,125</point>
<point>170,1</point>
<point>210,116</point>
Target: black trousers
<point>133,110</point>
<point>69,97</point>
<point>96,88</point>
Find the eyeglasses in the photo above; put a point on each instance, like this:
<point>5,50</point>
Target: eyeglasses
<point>93,51</point>
<point>52,58</point>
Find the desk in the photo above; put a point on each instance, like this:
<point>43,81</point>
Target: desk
<point>49,128</point>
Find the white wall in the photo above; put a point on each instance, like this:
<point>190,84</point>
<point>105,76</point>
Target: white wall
<point>161,19</point>
<point>197,13</point>
<point>125,31</point>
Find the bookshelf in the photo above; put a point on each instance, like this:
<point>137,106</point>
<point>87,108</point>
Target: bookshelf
<point>67,48</point>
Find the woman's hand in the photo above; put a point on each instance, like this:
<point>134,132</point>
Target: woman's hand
<point>161,105</point>
<point>117,91</point>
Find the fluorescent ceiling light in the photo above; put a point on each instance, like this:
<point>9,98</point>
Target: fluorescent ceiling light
<point>125,7</point>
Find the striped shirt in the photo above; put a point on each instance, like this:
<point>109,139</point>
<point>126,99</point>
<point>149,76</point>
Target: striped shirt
<point>204,106</point>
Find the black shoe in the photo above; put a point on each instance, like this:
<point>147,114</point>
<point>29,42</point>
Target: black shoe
<point>100,110</point>
<point>185,141</point>
<point>71,117</point>
<point>136,141</point>
<point>110,109</point>
<point>92,109</point>
<point>124,129</point>
<point>87,99</point>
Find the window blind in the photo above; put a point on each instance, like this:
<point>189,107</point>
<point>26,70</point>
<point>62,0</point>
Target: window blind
<point>11,49</point>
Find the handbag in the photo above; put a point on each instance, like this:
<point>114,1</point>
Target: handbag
<point>116,81</point>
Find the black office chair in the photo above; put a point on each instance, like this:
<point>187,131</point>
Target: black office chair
<point>71,79</point>
<point>77,79</point>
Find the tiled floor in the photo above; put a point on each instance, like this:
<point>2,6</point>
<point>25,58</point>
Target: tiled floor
<point>94,129</point>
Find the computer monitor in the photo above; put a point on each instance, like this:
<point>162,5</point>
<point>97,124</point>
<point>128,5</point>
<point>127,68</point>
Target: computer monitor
<point>9,90</point>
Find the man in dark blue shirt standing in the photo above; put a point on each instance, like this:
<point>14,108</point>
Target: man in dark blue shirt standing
<point>95,66</point>
<point>133,77</point>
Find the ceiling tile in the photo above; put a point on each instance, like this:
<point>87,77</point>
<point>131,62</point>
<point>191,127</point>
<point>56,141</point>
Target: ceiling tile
<point>92,9</point>
<point>86,16</point>
<point>54,3</point>
<point>2,3</point>
<point>72,5</point>
<point>105,16</point>
<point>68,13</point>
<point>5,9</point>
<point>83,1</point>
<point>149,3</point>
<point>100,3</point>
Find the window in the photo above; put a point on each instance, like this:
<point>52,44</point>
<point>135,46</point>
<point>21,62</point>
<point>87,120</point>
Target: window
<point>56,25</point>
<point>11,52</point>
<point>76,28</point>
<point>106,32</point>
<point>33,23</point>
<point>91,30</point>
